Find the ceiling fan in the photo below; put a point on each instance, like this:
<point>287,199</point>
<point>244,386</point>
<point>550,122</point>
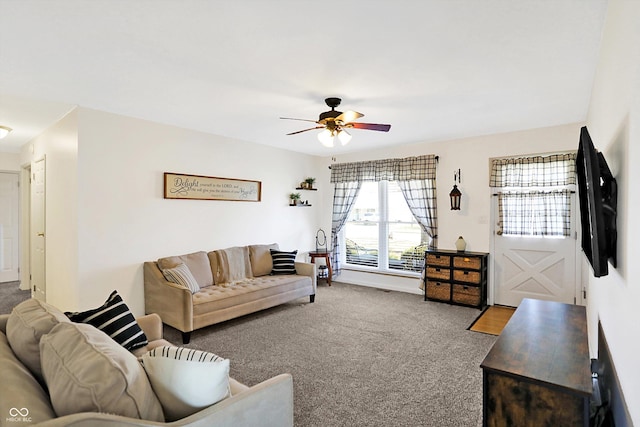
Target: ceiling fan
<point>335,123</point>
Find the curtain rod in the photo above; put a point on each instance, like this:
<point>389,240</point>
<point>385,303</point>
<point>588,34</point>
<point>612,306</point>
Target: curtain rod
<point>436,157</point>
<point>497,194</point>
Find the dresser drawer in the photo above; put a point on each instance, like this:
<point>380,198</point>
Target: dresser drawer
<point>438,290</point>
<point>441,260</point>
<point>467,276</point>
<point>467,262</point>
<point>438,273</point>
<point>469,295</point>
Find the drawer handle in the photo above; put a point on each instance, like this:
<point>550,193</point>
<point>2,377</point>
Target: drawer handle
<point>466,273</point>
<point>466,288</point>
<point>437,269</point>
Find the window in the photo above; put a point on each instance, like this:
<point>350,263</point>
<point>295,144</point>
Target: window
<point>534,197</point>
<point>381,208</point>
<point>381,232</point>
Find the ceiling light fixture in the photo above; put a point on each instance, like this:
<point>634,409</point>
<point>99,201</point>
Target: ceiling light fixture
<point>327,137</point>
<point>4,131</point>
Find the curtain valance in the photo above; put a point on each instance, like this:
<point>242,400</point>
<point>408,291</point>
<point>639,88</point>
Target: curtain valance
<point>406,169</point>
<point>538,171</point>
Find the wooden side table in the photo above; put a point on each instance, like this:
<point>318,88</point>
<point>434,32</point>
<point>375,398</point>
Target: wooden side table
<point>327,259</point>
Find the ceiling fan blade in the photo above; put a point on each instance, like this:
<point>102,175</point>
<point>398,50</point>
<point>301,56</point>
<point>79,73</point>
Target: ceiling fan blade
<point>305,130</point>
<point>349,116</point>
<point>302,120</point>
<point>369,126</point>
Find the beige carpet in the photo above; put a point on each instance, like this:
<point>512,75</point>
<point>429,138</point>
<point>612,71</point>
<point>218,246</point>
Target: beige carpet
<point>361,357</point>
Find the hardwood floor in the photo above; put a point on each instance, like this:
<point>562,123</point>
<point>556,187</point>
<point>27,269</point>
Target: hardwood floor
<point>493,320</point>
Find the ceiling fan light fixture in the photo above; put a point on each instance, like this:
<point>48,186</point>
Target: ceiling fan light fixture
<point>4,131</point>
<point>326,138</point>
<point>344,137</point>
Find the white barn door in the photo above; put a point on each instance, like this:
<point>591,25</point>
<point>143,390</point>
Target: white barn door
<point>536,267</point>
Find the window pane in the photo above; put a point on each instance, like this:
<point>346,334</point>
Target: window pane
<point>361,230</point>
<point>406,250</point>
<point>535,213</point>
<point>398,209</point>
<point>405,243</point>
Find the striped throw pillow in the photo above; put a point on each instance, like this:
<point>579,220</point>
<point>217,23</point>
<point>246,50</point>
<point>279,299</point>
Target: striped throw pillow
<point>283,262</point>
<point>181,275</point>
<point>114,319</point>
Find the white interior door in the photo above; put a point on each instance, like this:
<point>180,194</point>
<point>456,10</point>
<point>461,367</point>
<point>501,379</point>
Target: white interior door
<point>37,230</point>
<point>9,227</point>
<point>535,267</point>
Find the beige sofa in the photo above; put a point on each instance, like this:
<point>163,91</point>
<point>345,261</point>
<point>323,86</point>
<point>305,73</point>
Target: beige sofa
<point>25,394</point>
<point>231,282</point>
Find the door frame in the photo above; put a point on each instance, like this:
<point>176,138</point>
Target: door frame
<point>25,227</point>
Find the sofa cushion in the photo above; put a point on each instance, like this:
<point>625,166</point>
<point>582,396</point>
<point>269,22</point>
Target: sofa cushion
<point>260,257</point>
<point>181,275</point>
<point>283,262</point>
<point>20,393</point>
<point>258,293</point>
<point>198,264</point>
<point>28,322</point>
<point>186,380</point>
<point>86,371</point>
<point>230,265</point>
<point>116,320</point>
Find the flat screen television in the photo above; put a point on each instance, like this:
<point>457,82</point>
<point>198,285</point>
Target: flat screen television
<point>598,195</point>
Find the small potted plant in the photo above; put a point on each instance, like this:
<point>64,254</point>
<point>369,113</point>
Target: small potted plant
<point>294,199</point>
<point>309,182</point>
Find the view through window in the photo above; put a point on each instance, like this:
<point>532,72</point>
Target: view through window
<point>381,232</point>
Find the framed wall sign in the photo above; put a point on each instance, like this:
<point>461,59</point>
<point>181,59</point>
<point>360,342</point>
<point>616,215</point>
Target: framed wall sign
<point>197,187</point>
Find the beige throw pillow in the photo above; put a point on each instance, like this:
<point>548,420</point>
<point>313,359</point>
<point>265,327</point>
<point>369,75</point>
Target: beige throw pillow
<point>261,261</point>
<point>28,322</point>
<point>86,371</point>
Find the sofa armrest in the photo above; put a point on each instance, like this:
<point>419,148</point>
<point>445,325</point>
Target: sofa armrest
<point>268,403</point>
<point>308,269</point>
<point>151,325</point>
<point>172,302</point>
<point>3,323</point>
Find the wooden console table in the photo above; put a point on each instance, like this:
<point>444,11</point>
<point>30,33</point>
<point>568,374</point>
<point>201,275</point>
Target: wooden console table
<point>538,372</point>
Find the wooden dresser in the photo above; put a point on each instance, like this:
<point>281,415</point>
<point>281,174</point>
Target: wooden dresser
<point>456,277</point>
<point>538,371</point>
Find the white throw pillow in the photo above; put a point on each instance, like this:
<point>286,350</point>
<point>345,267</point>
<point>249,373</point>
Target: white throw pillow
<point>181,275</point>
<point>186,380</point>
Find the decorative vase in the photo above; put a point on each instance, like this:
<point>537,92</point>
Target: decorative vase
<point>461,245</point>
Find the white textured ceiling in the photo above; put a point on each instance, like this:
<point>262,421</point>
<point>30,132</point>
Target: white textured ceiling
<point>433,69</point>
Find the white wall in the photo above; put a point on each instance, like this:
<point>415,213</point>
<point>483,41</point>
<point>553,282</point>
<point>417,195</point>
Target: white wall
<point>614,125</point>
<point>123,219</point>
<point>9,162</point>
<point>472,156</point>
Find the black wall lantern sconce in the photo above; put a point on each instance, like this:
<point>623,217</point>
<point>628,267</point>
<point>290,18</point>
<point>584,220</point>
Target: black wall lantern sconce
<point>455,194</point>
